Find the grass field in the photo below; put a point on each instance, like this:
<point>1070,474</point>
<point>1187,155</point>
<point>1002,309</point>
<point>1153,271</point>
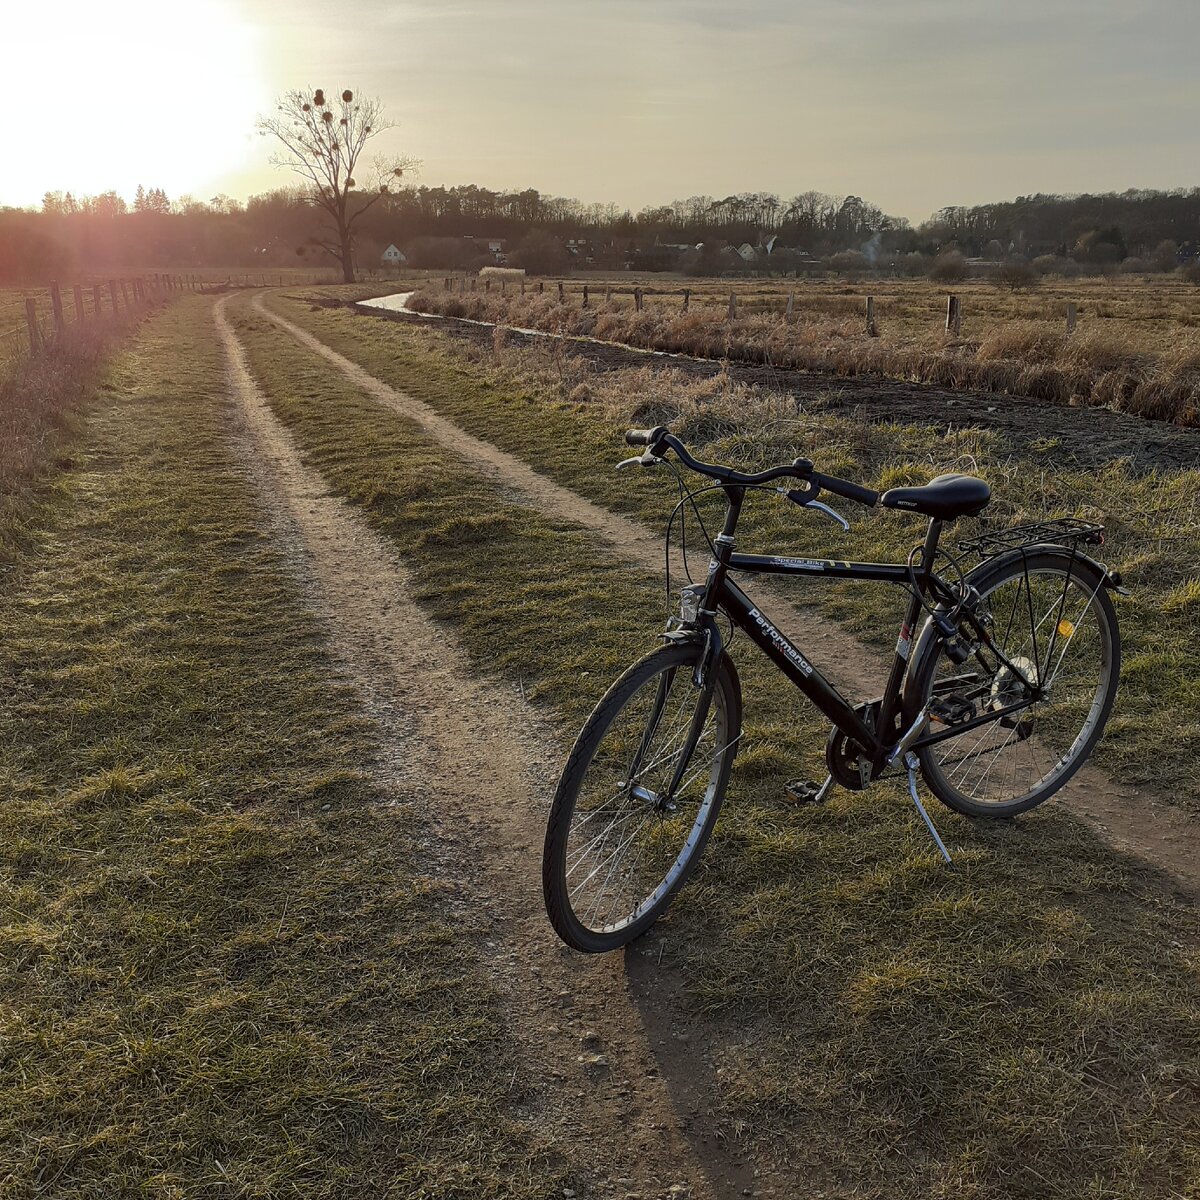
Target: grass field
<point>228,968</point>
<point>14,335</point>
<point>224,970</point>
<point>1136,347</point>
<point>882,1027</point>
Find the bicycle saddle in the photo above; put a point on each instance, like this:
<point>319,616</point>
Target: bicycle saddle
<point>944,498</point>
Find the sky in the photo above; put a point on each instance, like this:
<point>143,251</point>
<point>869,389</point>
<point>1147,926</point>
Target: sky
<point>911,104</point>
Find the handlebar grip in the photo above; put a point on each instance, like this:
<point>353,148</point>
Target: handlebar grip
<point>843,487</point>
<point>644,437</point>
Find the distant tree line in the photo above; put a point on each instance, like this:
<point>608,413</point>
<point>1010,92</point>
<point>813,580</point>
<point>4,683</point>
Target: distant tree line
<point>435,225</point>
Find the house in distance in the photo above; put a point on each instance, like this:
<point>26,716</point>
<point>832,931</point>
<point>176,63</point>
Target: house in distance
<point>393,257</point>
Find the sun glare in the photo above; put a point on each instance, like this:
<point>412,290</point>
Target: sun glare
<point>128,92</point>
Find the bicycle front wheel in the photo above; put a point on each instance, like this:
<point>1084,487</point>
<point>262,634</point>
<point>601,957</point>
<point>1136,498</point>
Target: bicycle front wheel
<point>639,798</point>
<point>1051,616</point>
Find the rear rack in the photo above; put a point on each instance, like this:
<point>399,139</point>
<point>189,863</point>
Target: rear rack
<point>1062,531</point>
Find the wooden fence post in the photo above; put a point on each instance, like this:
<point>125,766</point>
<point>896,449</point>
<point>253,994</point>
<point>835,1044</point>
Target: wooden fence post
<point>31,319</point>
<point>608,295</point>
<point>872,329</point>
<point>504,287</point>
<point>560,291</point>
<point>732,306</point>
<point>687,298</point>
<point>78,302</point>
<point>112,291</point>
<point>637,299</point>
<point>125,294</point>
<point>96,308</point>
<point>1072,317</point>
<point>585,295</point>
<point>56,306</point>
<point>791,304</point>
<point>541,286</point>
<point>953,315</point>
<point>487,285</point>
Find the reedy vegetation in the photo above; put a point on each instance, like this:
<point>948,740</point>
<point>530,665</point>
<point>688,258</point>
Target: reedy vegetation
<point>1097,365</point>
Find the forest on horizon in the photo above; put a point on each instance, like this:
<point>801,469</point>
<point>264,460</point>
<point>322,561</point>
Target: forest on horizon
<point>1154,229</point>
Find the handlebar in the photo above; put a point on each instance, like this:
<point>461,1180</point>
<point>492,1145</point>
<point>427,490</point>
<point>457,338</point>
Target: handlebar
<point>659,439</point>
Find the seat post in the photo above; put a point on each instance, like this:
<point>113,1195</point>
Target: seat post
<point>929,550</point>
<point>886,730</point>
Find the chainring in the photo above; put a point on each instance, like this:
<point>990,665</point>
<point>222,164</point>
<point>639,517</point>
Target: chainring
<point>847,761</point>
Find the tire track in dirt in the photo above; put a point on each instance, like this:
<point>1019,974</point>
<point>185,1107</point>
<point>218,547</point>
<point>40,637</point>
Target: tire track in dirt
<point>1130,819</point>
<point>857,670</point>
<point>600,1082</point>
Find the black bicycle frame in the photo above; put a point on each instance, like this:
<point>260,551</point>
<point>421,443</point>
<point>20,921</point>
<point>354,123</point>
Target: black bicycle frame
<point>722,593</point>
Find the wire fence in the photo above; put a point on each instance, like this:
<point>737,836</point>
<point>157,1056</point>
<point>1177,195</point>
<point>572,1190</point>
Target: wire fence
<point>31,322</point>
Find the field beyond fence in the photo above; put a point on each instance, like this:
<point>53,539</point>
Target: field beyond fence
<point>1130,345</point>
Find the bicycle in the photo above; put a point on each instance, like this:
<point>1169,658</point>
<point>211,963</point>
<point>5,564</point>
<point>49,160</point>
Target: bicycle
<point>976,700</point>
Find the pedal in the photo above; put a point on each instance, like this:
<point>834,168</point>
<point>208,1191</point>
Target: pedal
<point>804,791</point>
<point>910,762</point>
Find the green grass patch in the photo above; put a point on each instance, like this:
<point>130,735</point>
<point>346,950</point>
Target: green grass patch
<point>222,969</point>
<point>1022,1027</point>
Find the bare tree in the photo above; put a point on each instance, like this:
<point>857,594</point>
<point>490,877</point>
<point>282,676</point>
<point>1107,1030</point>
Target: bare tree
<point>323,142</point>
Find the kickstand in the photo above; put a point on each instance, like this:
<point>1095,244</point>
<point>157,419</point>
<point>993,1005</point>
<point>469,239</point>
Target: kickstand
<point>910,761</point>
<point>802,791</point>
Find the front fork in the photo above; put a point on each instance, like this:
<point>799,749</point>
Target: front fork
<point>704,674</point>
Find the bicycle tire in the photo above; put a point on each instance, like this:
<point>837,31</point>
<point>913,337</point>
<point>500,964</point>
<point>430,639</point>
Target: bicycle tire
<point>1031,739</point>
<point>602,749</point>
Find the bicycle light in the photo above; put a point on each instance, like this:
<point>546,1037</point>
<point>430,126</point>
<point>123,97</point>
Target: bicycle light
<point>689,603</point>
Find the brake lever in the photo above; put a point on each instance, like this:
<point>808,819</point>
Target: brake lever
<point>831,513</point>
<point>797,497</point>
<point>645,459</point>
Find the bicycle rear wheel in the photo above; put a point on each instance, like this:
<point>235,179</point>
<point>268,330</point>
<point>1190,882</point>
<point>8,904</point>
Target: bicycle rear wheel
<point>1052,617</point>
<point>621,840</point>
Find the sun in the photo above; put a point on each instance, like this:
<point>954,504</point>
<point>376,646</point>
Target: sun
<point>127,92</point>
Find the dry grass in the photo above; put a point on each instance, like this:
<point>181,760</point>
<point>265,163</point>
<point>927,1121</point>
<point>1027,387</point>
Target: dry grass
<point>1143,362</point>
<point>502,273</point>
<point>554,409</point>
<point>40,401</point>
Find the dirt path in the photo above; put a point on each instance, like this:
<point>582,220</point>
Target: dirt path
<point>1130,819</point>
<point>603,1084</point>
